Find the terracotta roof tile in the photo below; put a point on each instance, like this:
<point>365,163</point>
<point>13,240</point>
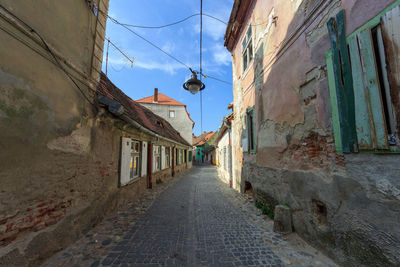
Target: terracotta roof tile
<point>199,140</point>
<point>162,100</point>
<point>138,113</point>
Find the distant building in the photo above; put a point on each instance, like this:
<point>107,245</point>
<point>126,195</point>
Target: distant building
<point>199,144</point>
<point>172,111</point>
<point>223,144</point>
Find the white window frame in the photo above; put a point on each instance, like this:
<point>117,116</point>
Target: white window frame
<point>156,158</point>
<point>247,48</point>
<point>167,157</point>
<point>171,112</point>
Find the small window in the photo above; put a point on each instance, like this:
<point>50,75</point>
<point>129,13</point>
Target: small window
<point>157,158</point>
<point>167,157</point>
<point>247,49</point>
<point>172,113</point>
<point>251,130</point>
<point>135,160</point>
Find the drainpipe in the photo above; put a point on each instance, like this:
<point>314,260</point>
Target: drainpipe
<point>149,165</point>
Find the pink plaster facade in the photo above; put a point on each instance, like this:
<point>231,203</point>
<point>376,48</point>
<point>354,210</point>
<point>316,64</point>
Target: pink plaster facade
<point>295,160</point>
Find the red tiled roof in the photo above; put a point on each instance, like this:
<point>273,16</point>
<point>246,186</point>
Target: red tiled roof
<point>201,139</point>
<point>138,113</point>
<point>162,100</point>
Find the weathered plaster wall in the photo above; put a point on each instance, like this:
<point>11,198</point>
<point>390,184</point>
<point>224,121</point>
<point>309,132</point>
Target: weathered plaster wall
<point>224,158</point>
<point>296,161</point>
<point>180,122</point>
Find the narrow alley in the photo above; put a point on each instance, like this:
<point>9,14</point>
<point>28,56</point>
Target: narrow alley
<point>196,221</point>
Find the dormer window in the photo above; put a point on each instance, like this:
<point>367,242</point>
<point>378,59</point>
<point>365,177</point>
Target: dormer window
<point>247,49</point>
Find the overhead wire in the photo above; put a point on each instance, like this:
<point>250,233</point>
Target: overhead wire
<point>32,30</point>
<point>201,66</point>
<point>115,21</point>
<point>149,42</point>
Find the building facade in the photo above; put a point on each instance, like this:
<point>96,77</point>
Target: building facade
<point>75,148</point>
<point>172,111</point>
<point>223,151</point>
<point>316,105</point>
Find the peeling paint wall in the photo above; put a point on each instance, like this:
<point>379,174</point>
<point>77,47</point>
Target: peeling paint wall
<point>296,161</point>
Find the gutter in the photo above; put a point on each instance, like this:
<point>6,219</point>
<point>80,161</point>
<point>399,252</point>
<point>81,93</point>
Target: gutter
<point>117,110</point>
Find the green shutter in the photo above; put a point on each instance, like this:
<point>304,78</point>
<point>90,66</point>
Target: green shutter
<point>334,104</point>
<point>370,121</point>
<point>343,83</point>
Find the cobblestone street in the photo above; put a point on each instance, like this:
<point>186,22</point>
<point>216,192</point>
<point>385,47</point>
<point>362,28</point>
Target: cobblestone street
<point>192,220</point>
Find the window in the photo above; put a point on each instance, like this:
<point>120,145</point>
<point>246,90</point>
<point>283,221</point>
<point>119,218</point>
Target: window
<point>251,143</point>
<point>362,109</point>
<point>135,160</point>
<point>167,157</point>
<point>247,49</point>
<point>130,161</point>
<point>157,158</point>
<point>172,113</point>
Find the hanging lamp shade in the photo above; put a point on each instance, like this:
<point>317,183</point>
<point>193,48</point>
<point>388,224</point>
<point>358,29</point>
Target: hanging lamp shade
<point>193,85</point>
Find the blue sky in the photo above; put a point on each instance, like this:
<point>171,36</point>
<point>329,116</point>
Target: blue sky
<point>152,68</point>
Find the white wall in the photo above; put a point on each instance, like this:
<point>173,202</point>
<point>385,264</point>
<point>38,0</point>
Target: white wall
<point>224,162</point>
<point>180,122</point>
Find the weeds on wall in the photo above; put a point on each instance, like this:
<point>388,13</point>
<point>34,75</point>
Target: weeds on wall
<point>159,181</point>
<point>265,209</point>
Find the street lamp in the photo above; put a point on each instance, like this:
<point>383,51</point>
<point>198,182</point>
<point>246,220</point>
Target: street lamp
<point>193,85</point>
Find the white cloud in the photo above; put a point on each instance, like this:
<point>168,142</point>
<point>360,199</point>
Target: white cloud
<point>221,55</point>
<point>168,47</point>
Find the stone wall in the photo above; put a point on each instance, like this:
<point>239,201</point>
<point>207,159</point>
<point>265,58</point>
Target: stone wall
<point>348,205</point>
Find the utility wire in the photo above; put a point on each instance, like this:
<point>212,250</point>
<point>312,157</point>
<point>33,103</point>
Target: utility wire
<point>201,61</point>
<point>149,42</point>
<point>122,52</point>
<point>173,23</point>
<point>159,48</point>
<point>32,30</point>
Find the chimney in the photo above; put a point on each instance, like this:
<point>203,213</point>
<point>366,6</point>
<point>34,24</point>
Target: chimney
<point>155,95</point>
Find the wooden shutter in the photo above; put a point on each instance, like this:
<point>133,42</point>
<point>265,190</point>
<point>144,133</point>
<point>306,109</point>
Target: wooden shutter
<point>343,83</point>
<point>144,159</point>
<point>124,173</point>
<point>370,120</point>
<point>391,36</point>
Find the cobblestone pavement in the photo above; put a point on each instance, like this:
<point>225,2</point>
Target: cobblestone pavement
<point>194,220</point>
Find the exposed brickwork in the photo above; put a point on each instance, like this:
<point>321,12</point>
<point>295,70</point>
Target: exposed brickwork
<point>315,151</point>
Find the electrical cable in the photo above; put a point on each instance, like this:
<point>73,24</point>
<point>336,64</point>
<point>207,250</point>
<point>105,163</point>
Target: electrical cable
<point>159,48</point>
<point>149,42</point>
<point>201,67</point>
<point>49,50</point>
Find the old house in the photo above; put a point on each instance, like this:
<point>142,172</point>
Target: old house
<point>172,111</point>
<point>210,149</point>
<point>199,144</point>
<point>74,146</point>
<point>223,143</point>
<point>316,96</point>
